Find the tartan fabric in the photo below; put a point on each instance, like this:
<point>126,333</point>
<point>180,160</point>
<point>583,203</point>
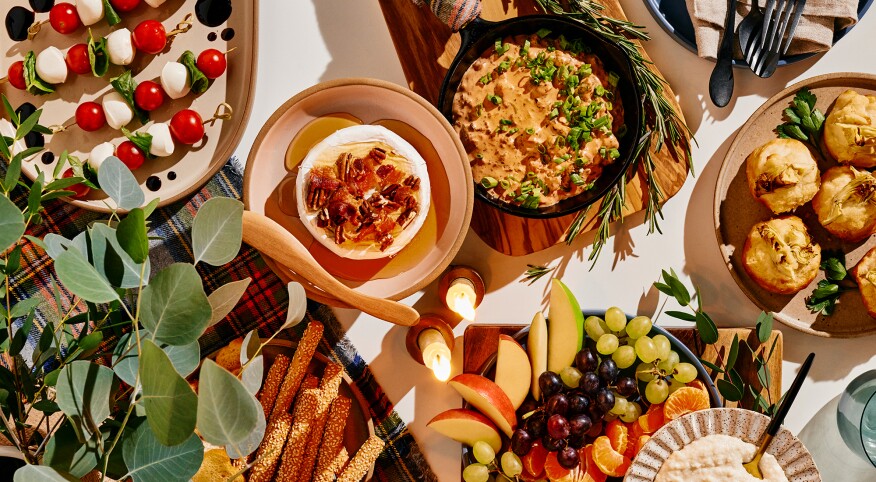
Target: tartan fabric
<point>263,306</point>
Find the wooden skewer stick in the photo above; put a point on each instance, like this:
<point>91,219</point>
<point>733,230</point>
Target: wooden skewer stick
<point>34,29</point>
<point>184,26</point>
<point>223,112</point>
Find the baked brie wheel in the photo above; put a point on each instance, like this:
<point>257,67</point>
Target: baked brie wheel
<point>846,203</point>
<point>780,256</point>
<point>850,129</point>
<point>865,275</point>
<point>782,174</point>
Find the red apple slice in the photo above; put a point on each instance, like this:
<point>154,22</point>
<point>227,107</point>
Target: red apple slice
<point>513,370</point>
<point>467,427</point>
<point>487,397</point>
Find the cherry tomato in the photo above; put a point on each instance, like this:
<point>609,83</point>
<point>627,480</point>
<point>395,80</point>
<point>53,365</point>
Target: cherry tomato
<point>186,127</point>
<point>125,5</point>
<point>149,36</point>
<point>77,59</point>
<point>212,63</point>
<point>16,75</point>
<point>131,155</point>
<point>64,18</point>
<point>90,116</point>
<point>81,190</point>
<point>148,95</point>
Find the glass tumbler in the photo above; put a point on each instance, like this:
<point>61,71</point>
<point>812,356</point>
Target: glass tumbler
<point>856,416</point>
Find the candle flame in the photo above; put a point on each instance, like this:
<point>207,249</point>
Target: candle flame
<point>463,305</point>
<point>441,367</point>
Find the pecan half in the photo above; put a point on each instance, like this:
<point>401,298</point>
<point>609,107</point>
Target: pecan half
<point>377,154</point>
<point>317,197</point>
<point>339,235</point>
<point>412,182</point>
<point>385,241</point>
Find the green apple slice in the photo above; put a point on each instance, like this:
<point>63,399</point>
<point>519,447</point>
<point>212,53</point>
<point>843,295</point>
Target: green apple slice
<point>566,327</point>
<point>537,346</point>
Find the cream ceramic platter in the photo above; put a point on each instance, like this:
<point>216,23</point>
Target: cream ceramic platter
<point>190,166</point>
<point>736,211</point>
<point>792,456</point>
<point>266,180</point>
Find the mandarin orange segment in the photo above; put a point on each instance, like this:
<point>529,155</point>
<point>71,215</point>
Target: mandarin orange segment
<point>586,454</point>
<point>533,462</point>
<point>641,442</point>
<point>609,461</point>
<point>685,400</point>
<point>699,384</point>
<point>617,434</point>
<point>552,468</point>
<point>653,419</point>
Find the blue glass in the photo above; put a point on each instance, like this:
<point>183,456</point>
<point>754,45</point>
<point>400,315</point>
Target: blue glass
<point>856,416</point>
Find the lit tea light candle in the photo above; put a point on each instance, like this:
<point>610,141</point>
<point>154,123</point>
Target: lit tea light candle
<point>462,298</point>
<point>436,353</point>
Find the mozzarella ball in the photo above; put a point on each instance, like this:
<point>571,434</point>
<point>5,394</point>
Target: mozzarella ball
<point>99,154</point>
<point>175,80</point>
<point>50,66</point>
<point>155,3</point>
<point>120,47</point>
<point>118,112</point>
<point>162,142</point>
<point>90,11</point>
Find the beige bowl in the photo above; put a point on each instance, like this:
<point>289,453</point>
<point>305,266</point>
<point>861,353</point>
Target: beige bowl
<point>268,185</point>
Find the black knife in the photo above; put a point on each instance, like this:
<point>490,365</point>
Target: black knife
<point>721,81</point>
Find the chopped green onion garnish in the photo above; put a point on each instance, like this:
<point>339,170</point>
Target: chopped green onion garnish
<point>613,153</point>
<point>525,50</point>
<point>601,122</point>
<point>486,79</point>
<point>530,175</point>
<point>489,182</point>
<point>600,90</point>
<point>554,113</point>
<point>494,99</point>
<point>558,160</point>
<point>500,47</point>
<point>585,70</point>
<point>544,32</point>
<point>576,179</point>
<point>613,78</point>
<point>513,130</point>
<point>530,131</point>
<point>506,122</point>
<point>503,66</point>
<point>479,156</point>
<point>504,184</point>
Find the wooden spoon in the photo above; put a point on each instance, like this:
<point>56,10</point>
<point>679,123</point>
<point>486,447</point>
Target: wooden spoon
<point>274,241</point>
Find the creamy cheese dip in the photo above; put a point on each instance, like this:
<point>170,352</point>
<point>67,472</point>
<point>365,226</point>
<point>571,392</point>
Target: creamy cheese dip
<point>717,458</point>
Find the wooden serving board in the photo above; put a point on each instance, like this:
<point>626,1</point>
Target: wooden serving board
<point>426,47</point>
<point>480,342</point>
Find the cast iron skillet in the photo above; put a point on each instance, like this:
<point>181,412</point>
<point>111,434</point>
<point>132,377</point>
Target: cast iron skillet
<point>479,35</point>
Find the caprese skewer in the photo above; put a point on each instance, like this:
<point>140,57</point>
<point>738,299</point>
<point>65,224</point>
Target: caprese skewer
<point>66,18</point>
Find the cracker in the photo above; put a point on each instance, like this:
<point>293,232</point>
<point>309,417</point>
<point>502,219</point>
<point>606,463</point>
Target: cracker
<point>228,357</point>
<point>298,368</point>
<point>268,455</point>
<point>271,387</point>
<point>364,459</point>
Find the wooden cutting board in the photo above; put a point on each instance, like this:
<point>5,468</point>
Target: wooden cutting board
<point>480,343</point>
<point>426,47</point>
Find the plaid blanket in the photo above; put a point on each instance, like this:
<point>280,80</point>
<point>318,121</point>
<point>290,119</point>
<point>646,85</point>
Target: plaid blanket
<point>263,306</point>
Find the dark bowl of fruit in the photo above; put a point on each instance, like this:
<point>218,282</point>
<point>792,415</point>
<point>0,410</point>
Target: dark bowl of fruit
<point>591,403</point>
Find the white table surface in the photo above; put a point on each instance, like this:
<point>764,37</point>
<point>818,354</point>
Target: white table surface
<point>305,42</point>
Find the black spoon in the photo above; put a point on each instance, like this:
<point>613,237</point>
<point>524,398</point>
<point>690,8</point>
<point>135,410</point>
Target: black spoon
<point>721,81</point>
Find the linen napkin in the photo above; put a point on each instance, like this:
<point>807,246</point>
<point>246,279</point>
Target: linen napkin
<point>821,18</point>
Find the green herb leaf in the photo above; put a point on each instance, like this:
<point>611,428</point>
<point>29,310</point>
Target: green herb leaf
<point>729,391</point>
<point>120,184</point>
<point>706,328</point>
<point>711,365</point>
<point>13,116</point>
<point>834,266</point>
<point>34,84</point>
<point>65,452</point>
<point>28,124</point>
<point>149,460</point>
<point>42,473</point>
<point>764,326</point>
<point>174,307</point>
<point>171,404</point>
<point>126,363</point>
<point>733,353</point>
<point>225,298</point>
<point>11,223</point>
<point>97,55</point>
<point>217,231</point>
<point>109,14</point>
<point>197,80</point>
<point>125,86</point>
<point>536,272</point>
<point>132,236</point>
<point>81,279</point>
<point>227,412</point>
<point>83,393</point>
<point>681,315</point>
<point>113,262</point>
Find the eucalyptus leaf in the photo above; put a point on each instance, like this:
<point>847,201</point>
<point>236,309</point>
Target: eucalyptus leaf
<point>126,363</point>
<point>729,391</point>
<point>217,231</point>
<point>81,279</point>
<point>83,393</point>
<point>148,460</point>
<point>225,298</point>
<point>174,307</point>
<point>171,404</point>
<point>65,452</point>
<point>41,473</point>
<point>252,359</point>
<point>764,326</point>
<point>55,244</point>
<point>297,305</point>
<point>120,184</point>
<point>25,306</point>
<point>11,223</point>
<point>131,234</point>
<point>251,443</point>
<point>733,353</point>
<point>114,262</point>
<point>681,315</point>
<point>227,412</point>
<point>706,327</point>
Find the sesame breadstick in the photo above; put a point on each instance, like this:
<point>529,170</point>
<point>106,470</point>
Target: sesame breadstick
<point>330,472</point>
<point>309,382</point>
<point>296,443</point>
<point>363,460</point>
<point>268,455</point>
<point>332,440</point>
<point>272,383</point>
<point>297,369</point>
<point>331,381</point>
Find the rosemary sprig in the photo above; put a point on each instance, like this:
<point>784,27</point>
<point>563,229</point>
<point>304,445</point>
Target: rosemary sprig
<point>536,272</point>
<point>661,124</point>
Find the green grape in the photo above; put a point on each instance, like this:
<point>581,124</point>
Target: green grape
<point>663,346</point>
<point>476,473</point>
<point>607,344</point>
<point>615,318</point>
<point>674,385</point>
<point>644,372</point>
<point>483,452</point>
<point>657,390</point>
<point>571,376</point>
<point>638,327</point>
<point>608,417</point>
<point>632,413</point>
<point>595,327</point>
<point>511,464</point>
<point>668,364</point>
<point>620,405</point>
<point>685,372</point>
<point>646,349</point>
<point>624,356</point>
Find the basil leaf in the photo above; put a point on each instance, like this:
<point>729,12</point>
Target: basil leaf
<point>110,14</point>
<point>84,171</point>
<point>125,85</point>
<point>198,81</point>
<point>141,140</point>
<point>34,83</point>
<point>97,55</point>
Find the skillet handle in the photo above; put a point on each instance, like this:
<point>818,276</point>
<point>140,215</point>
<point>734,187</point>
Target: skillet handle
<point>456,14</point>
